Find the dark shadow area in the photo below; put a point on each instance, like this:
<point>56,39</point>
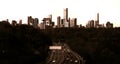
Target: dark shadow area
<point>95,45</point>
<point>22,44</point>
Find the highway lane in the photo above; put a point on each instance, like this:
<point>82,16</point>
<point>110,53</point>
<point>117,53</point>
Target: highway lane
<point>64,55</point>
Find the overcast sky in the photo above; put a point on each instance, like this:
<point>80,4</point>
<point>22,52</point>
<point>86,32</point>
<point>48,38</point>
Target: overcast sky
<point>83,10</point>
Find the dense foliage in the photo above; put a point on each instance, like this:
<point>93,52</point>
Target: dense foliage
<point>22,44</point>
<point>96,46</point>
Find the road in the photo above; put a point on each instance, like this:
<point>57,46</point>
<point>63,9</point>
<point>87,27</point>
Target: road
<point>64,55</point>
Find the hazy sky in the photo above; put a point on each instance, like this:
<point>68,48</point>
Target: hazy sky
<point>83,10</point>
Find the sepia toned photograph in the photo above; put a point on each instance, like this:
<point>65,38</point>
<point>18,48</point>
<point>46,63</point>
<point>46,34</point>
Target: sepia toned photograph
<point>59,31</point>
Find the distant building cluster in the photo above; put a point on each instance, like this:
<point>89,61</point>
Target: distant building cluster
<point>65,22</point>
<point>47,22</point>
<point>33,21</point>
<point>95,24</point>
<point>109,25</point>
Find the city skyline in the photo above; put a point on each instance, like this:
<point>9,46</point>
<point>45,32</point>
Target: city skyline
<point>61,22</point>
<point>83,10</point>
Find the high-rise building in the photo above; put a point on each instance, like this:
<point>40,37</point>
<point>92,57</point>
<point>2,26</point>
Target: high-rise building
<point>7,20</point>
<point>53,24</point>
<point>36,20</point>
<point>58,21</point>
<point>47,21</point>
<point>35,23</point>
<point>109,25</point>
<point>69,22</point>
<point>29,19</point>
<point>66,22</point>
<point>62,23</point>
<point>98,17</point>
<point>80,26</point>
<point>73,22</point>
<point>97,21</point>
<point>66,14</point>
<point>42,26</point>
<point>50,16</point>
<point>14,22</point>
<point>90,24</point>
<point>20,22</point>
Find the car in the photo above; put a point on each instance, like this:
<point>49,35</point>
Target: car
<point>53,61</point>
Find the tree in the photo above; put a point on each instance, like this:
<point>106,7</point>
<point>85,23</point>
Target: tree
<point>23,45</point>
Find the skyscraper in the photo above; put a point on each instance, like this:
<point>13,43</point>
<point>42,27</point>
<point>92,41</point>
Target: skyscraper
<point>109,25</point>
<point>48,20</point>
<point>58,21</point>
<point>20,21</point>
<point>14,22</point>
<point>42,26</point>
<point>66,14</point>
<point>97,21</point>
<point>33,21</point>
<point>98,17</point>
<point>73,22</point>
<point>36,21</point>
<point>62,23</point>
<point>50,16</point>
<point>90,24</point>
<point>30,20</point>
<point>66,22</point>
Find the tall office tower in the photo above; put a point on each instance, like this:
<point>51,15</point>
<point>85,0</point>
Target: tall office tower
<point>53,24</point>
<point>47,21</point>
<point>69,22</point>
<point>7,20</point>
<point>36,21</point>
<point>20,21</point>
<point>98,17</point>
<point>58,21</point>
<point>14,22</point>
<point>73,22</point>
<point>30,20</point>
<point>109,25</point>
<point>42,26</point>
<point>50,16</point>
<point>62,23</point>
<point>91,23</point>
<point>66,14</point>
<point>97,21</point>
<point>88,24</point>
<point>65,22</point>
